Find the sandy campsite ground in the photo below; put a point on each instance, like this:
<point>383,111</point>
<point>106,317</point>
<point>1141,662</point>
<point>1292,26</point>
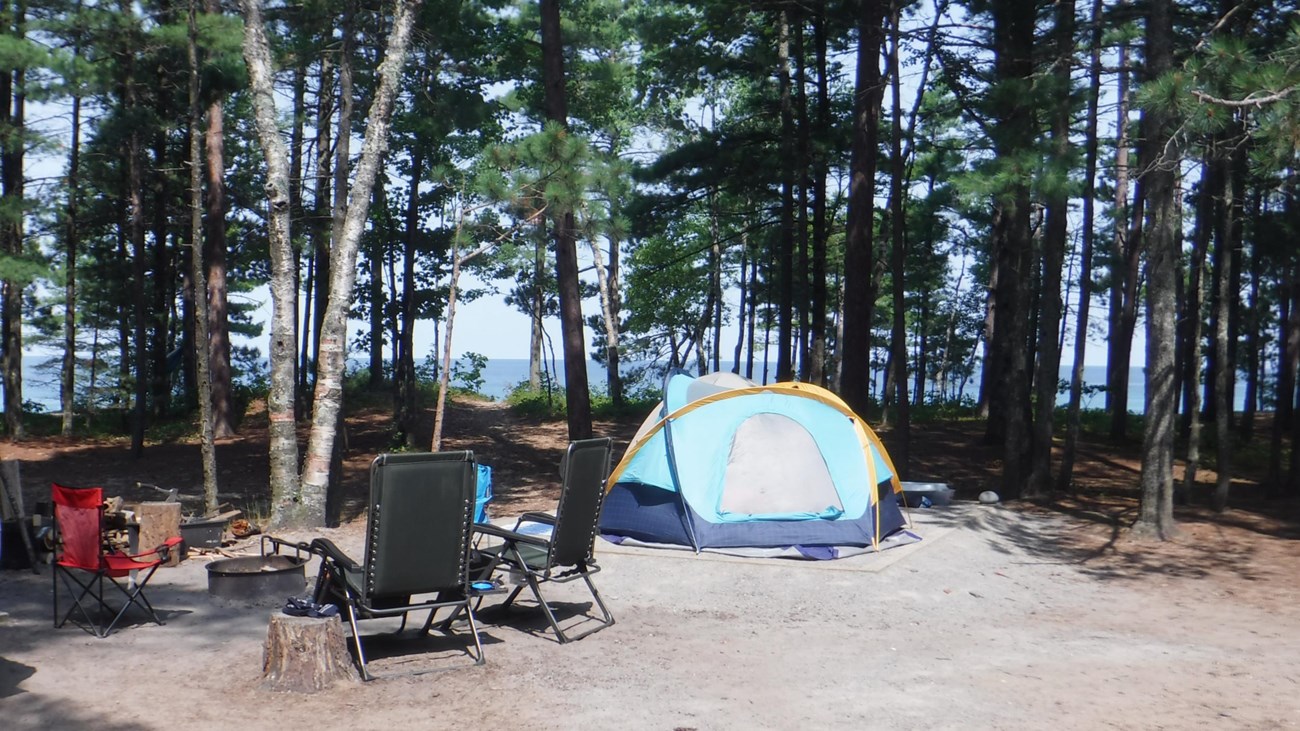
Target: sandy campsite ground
<point>1001,617</point>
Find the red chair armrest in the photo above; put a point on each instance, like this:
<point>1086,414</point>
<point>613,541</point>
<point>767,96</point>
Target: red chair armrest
<point>161,550</point>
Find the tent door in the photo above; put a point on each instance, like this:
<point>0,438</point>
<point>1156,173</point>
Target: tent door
<point>775,470</point>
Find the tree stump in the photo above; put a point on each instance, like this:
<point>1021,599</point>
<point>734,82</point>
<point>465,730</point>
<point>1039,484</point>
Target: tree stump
<point>305,654</point>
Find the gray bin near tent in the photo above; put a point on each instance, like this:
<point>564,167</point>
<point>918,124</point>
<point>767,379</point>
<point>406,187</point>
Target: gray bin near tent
<point>938,493</point>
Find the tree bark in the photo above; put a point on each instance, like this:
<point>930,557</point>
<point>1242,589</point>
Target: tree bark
<point>1065,478</point>
<point>203,357</point>
<point>817,370</point>
<point>1155,509</point>
<point>318,230</point>
<point>1284,417</point>
<point>855,343</point>
<point>136,236</point>
<point>223,417</point>
<point>538,295</point>
<point>1222,373</point>
<point>608,292</point>
<point>900,445</point>
<point>286,504</point>
<point>12,124</point>
<point>1192,328</point>
<point>1117,361</point>
<point>327,404</point>
<point>1054,245</point>
<point>785,241</point>
<point>72,244</point>
<point>1013,24</point>
<point>577,392</point>
<point>305,654</point>
<point>1253,340</point>
<point>375,262</point>
<point>404,365</point>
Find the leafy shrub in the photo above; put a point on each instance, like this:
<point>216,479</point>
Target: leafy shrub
<point>546,402</point>
<point>467,372</point>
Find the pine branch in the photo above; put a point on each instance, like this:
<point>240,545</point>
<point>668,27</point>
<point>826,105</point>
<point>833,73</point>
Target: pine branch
<point>1250,101</point>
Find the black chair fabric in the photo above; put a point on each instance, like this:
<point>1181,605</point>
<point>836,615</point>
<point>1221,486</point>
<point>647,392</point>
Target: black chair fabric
<point>417,545</point>
<point>568,552</point>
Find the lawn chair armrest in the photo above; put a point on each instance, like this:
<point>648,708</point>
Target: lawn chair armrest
<point>326,549</point>
<point>162,550</point>
<point>488,529</point>
<point>535,517</point>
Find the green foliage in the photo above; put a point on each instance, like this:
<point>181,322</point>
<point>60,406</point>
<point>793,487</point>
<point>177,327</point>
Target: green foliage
<point>467,372</point>
<point>547,402</point>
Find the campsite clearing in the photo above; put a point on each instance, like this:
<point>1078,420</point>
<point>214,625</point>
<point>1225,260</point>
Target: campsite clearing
<point>1001,617</point>
<point>991,622</point>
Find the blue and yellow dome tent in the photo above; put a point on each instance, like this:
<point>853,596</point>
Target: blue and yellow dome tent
<point>783,469</point>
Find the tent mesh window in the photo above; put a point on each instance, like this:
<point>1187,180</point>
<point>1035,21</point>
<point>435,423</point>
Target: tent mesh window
<point>770,453</point>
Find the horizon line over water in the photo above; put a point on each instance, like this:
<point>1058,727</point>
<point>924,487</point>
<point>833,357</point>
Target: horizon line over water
<point>501,375</point>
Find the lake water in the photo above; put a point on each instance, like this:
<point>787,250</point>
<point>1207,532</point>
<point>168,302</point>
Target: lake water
<point>501,375</point>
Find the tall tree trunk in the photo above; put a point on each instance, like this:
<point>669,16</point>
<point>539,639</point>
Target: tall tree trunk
<point>800,163</point>
<point>612,365</point>
<point>164,267</point>
<point>404,364</point>
<point>538,299</point>
<point>820,230</point>
<point>751,317</point>
<point>207,431</point>
<point>1222,374</point>
<point>1253,341</point>
<point>286,502</point>
<point>1054,245</point>
<point>1288,373</point>
<point>711,317</point>
<point>375,260</point>
<point>1117,361</point>
<point>742,307</point>
<point>855,343</point>
<point>136,236</point>
<point>608,293</point>
<point>1066,476</point>
<point>1013,24</point>
<point>901,443</point>
<point>319,231</point>
<point>297,188</point>
<point>72,244</point>
<point>786,248</point>
<point>577,393</point>
<point>1155,510</point>
<point>327,404</point>
<point>12,126</point>
<point>223,416</point>
<point>1192,324</point>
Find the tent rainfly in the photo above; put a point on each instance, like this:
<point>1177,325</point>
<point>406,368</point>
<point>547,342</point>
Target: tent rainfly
<point>724,464</point>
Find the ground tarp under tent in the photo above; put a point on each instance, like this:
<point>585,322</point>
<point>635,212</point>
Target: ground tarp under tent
<point>726,465</point>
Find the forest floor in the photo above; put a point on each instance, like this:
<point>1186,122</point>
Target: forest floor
<point>1023,615</point>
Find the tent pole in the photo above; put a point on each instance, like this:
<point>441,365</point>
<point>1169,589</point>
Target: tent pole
<point>677,482</point>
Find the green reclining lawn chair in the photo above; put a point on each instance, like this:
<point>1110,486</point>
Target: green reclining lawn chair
<point>566,553</point>
<point>417,544</point>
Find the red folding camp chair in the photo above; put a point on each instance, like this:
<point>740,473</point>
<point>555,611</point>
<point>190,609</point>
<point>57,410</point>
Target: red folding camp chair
<point>82,564</point>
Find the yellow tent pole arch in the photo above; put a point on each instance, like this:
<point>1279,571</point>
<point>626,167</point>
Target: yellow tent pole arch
<point>866,436</point>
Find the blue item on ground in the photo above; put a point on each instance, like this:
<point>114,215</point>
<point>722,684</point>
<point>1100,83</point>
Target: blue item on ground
<point>483,495</point>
